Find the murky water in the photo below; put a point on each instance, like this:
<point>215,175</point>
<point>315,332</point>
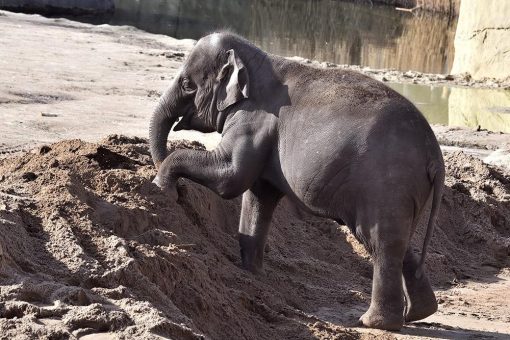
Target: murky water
<point>325,30</point>
<point>334,31</point>
<point>456,106</point>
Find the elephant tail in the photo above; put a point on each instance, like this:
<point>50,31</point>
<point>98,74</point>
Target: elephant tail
<point>436,175</point>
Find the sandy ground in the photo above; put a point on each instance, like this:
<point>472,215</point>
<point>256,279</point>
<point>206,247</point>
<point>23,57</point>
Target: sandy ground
<point>60,79</point>
<point>89,246</point>
<point>89,249</point>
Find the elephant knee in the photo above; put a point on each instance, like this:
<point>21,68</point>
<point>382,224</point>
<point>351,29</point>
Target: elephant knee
<point>228,194</point>
<point>230,189</point>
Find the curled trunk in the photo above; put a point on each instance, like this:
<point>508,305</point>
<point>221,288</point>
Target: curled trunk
<point>161,123</point>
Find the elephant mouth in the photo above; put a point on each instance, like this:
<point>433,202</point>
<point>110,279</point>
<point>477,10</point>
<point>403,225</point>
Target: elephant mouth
<point>184,122</point>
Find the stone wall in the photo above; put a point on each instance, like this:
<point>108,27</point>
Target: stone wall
<point>479,107</point>
<point>450,7</point>
<point>75,7</point>
<point>482,40</point>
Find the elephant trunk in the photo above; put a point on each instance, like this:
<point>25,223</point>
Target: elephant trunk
<point>162,120</point>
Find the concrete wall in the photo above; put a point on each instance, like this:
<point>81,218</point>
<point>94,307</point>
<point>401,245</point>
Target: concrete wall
<point>482,40</point>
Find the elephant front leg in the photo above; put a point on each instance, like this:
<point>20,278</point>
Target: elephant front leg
<point>257,209</point>
<point>229,170</point>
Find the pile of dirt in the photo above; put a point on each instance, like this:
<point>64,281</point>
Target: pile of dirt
<point>89,245</point>
<point>472,237</point>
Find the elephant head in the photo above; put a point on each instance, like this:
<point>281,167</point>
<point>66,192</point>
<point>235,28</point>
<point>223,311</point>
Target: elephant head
<point>213,79</point>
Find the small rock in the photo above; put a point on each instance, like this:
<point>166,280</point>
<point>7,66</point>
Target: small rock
<point>408,74</point>
<point>449,77</point>
<point>466,76</point>
<point>153,93</point>
<point>29,176</point>
<point>174,54</point>
<point>46,114</point>
<point>44,150</point>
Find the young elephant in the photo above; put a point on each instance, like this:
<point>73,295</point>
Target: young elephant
<point>339,144</point>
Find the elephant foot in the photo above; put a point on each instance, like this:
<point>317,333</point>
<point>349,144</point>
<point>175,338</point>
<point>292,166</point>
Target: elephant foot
<point>382,320</point>
<point>256,270</point>
<point>252,265</point>
<point>420,307</point>
<point>252,254</point>
<point>420,298</point>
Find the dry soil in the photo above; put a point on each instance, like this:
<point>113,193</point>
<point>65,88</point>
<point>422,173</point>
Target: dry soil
<point>89,246</point>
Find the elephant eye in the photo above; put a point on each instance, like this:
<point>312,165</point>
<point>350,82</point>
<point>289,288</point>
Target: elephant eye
<point>187,85</point>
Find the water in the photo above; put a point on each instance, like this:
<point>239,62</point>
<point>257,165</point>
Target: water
<point>339,32</point>
<point>456,106</point>
<point>325,30</point>
<point>334,31</point>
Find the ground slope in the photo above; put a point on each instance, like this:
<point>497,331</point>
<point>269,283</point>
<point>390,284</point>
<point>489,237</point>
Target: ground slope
<point>88,245</point>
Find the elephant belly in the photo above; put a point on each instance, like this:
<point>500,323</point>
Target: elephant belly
<point>317,178</point>
<point>345,179</point>
<point>322,191</point>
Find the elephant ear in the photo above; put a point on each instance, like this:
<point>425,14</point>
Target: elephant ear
<point>234,82</point>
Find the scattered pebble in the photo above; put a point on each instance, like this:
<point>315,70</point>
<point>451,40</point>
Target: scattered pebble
<point>44,149</point>
<point>29,176</point>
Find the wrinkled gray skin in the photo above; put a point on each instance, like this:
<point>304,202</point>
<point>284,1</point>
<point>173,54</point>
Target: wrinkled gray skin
<point>336,143</point>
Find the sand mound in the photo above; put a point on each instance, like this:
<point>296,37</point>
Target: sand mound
<point>89,245</point>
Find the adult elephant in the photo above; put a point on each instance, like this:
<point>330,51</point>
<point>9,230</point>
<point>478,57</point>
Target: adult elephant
<point>337,143</point>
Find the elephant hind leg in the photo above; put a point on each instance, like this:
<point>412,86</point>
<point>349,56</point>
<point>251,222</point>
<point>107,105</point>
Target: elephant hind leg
<point>257,209</point>
<point>386,309</point>
<point>420,298</point>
